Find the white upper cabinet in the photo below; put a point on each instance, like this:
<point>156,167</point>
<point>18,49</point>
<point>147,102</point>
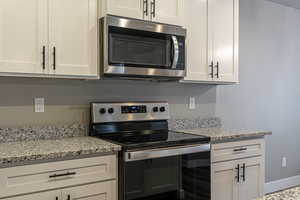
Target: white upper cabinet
<point>23,34</point>
<point>223,38</point>
<point>73,37</point>
<point>167,11</point>
<point>196,41</point>
<point>212,41</point>
<point>162,11</point>
<point>30,30</point>
<point>126,8</point>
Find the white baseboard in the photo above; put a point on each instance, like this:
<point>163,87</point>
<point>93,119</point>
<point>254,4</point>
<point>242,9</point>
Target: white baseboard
<point>282,184</point>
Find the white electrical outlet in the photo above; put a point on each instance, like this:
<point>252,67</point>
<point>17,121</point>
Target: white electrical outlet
<point>283,163</point>
<point>39,105</point>
<point>192,103</point>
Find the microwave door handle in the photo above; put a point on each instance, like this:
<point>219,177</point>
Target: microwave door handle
<point>176,52</point>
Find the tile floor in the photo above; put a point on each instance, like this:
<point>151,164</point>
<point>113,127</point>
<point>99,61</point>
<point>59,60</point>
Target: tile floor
<point>289,194</point>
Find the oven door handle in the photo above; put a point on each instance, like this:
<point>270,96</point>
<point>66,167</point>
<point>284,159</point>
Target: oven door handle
<point>175,56</point>
<point>165,152</point>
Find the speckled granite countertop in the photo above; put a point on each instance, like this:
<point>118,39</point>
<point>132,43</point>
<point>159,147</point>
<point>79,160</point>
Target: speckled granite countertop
<point>220,135</point>
<point>14,153</point>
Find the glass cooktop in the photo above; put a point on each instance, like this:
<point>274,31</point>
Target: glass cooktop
<point>158,138</point>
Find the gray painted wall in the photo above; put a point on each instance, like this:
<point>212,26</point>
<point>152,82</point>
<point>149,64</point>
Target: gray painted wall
<point>268,95</point>
<point>67,101</point>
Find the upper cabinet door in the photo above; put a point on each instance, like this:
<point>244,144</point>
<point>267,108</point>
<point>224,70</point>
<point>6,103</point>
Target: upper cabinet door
<point>126,8</point>
<point>73,37</point>
<point>167,11</point>
<point>195,22</point>
<point>223,36</point>
<point>23,34</point>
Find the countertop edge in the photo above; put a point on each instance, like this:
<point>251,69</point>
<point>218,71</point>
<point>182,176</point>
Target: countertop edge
<point>37,154</point>
<point>231,138</point>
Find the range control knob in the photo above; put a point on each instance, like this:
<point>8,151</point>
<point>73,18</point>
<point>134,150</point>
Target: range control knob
<point>162,109</point>
<point>111,110</point>
<point>155,109</point>
<point>102,111</point>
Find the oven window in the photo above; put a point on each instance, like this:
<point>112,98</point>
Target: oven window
<point>178,178</point>
<point>139,49</point>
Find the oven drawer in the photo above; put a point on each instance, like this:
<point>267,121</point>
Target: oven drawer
<point>39,177</point>
<point>237,150</point>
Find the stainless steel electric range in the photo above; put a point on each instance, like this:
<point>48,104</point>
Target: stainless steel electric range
<point>155,163</point>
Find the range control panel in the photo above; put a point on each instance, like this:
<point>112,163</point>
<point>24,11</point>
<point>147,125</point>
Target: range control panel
<point>134,111</point>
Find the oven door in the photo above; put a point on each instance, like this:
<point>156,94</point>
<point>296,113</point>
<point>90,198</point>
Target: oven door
<point>132,51</point>
<point>167,174</point>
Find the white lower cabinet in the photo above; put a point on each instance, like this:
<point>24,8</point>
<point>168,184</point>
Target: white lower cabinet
<point>252,185</point>
<point>97,191</point>
<point>224,185</point>
<point>238,179</point>
<point>52,195</point>
<point>88,179</point>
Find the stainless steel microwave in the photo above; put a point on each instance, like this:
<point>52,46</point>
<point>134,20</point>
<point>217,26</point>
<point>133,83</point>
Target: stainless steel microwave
<point>134,48</point>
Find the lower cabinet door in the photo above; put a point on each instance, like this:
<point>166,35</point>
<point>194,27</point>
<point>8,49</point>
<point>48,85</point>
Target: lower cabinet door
<point>98,191</point>
<point>224,181</point>
<point>252,178</point>
<point>52,195</point>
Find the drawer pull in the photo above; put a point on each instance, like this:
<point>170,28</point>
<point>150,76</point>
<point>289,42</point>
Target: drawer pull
<point>61,175</point>
<point>240,149</point>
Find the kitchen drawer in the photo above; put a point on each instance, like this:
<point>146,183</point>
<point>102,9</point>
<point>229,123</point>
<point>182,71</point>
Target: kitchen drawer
<point>237,150</point>
<point>53,175</point>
